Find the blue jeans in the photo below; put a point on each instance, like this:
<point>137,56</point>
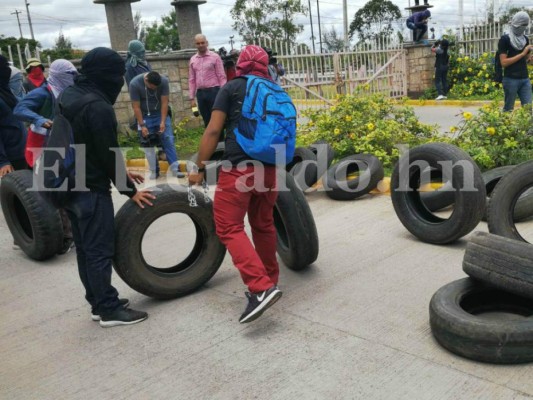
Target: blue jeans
<point>516,87</point>
<point>418,30</point>
<point>93,229</point>
<point>167,142</point>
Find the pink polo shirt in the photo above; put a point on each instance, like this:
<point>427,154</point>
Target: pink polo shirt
<point>205,71</point>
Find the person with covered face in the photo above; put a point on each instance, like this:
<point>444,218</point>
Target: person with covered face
<point>16,83</point>
<point>418,23</point>
<point>88,106</point>
<point>136,63</point>
<point>12,132</point>
<point>35,77</point>
<point>248,187</point>
<point>442,63</point>
<point>514,50</point>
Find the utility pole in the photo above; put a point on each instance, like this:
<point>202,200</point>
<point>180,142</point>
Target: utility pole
<point>29,19</point>
<point>461,19</point>
<point>312,32</point>
<point>17,12</point>
<point>286,6</point>
<point>345,22</point>
<point>319,29</point>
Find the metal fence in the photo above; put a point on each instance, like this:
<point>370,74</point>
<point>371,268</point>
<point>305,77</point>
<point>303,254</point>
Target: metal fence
<point>19,56</point>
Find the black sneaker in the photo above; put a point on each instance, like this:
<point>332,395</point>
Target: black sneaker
<point>122,316</point>
<point>123,302</point>
<point>258,303</point>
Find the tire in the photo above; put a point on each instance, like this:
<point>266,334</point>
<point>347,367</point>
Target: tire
<point>491,179</point>
<point>349,189</point>
<point>439,198</point>
<point>503,263</point>
<point>34,222</point>
<point>410,209</point>
<point>303,168</point>
<point>131,223</point>
<point>455,324</point>
<point>324,155</point>
<point>505,198</point>
<point>295,226</point>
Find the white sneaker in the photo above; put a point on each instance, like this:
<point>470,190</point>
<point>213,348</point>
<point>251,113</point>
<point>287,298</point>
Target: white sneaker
<point>441,97</point>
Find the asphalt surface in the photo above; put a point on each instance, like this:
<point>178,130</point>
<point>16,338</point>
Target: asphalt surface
<point>354,325</point>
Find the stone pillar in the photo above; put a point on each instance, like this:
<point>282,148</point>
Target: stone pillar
<point>188,20</point>
<point>420,69</point>
<point>419,8</point>
<point>119,22</point>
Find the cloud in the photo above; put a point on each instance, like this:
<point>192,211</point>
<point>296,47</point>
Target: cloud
<point>84,22</point>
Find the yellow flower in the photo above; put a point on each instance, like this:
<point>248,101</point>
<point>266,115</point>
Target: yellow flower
<point>467,115</point>
<point>310,123</point>
<point>337,131</point>
<point>484,67</point>
<point>348,118</point>
<point>333,108</point>
<point>466,58</point>
<point>370,126</point>
<point>469,70</point>
<point>453,129</point>
<point>459,60</point>
<point>298,124</point>
<point>352,136</point>
<point>466,78</point>
<point>366,87</point>
<point>487,75</point>
<point>491,130</point>
<point>485,55</point>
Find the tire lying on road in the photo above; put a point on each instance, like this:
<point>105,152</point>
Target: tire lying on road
<point>339,187</point>
<point>501,262</point>
<point>457,323</point>
<point>303,168</point>
<point>131,224</point>
<point>34,222</point>
<point>324,155</point>
<point>469,193</point>
<point>505,198</point>
<point>295,225</point>
<point>491,179</point>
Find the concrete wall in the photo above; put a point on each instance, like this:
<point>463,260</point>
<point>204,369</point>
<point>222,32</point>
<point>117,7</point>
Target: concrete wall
<point>420,69</point>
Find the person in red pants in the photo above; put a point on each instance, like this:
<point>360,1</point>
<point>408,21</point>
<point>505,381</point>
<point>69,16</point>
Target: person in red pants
<point>245,186</point>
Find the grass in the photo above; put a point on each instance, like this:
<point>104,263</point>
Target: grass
<point>187,142</point>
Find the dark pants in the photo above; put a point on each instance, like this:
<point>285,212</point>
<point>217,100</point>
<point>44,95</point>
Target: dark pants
<point>19,164</point>
<point>441,80</point>
<point>93,228</point>
<point>206,99</point>
<point>419,30</point>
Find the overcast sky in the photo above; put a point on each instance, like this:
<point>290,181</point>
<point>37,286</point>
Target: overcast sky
<point>84,22</point>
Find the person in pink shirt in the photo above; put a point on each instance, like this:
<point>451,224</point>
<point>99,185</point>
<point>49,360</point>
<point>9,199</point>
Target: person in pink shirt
<point>206,77</point>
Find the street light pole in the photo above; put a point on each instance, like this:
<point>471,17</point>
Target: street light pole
<point>319,29</point>
<point>17,12</point>
<point>312,32</point>
<point>29,19</point>
<point>345,22</point>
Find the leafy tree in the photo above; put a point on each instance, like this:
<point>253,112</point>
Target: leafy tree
<point>5,42</point>
<point>271,19</point>
<point>508,14</point>
<point>164,36</point>
<point>62,49</point>
<point>375,20</point>
<point>332,41</point>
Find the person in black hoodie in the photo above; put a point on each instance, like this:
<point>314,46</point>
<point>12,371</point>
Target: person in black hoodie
<point>91,212</point>
<point>12,132</point>
<point>442,61</point>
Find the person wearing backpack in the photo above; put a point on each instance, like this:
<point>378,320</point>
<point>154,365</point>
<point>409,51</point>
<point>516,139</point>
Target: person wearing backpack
<point>442,60</point>
<point>513,50</point>
<point>249,185</point>
<point>37,108</point>
<point>88,107</point>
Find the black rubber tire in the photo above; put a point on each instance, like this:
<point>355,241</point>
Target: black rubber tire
<point>34,222</point>
<point>491,179</point>
<point>504,200</point>
<point>324,155</point>
<point>295,226</point>
<point>368,178</point>
<point>501,262</point>
<point>439,198</point>
<point>131,223</point>
<point>412,212</point>
<point>455,325</point>
<point>303,168</point>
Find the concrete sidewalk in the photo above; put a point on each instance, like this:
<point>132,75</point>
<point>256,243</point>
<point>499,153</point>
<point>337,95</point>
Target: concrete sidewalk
<point>352,326</point>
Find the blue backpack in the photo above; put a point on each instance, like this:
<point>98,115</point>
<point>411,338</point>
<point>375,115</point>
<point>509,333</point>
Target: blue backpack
<point>56,166</point>
<point>268,122</point>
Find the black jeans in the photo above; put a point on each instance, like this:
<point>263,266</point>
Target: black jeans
<point>206,99</point>
<point>441,80</point>
<point>93,228</point>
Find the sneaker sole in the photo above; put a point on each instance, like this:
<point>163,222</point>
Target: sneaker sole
<point>110,324</point>
<point>270,301</point>
<point>96,317</point>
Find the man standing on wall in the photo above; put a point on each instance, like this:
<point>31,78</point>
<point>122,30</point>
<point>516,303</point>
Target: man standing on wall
<point>206,77</point>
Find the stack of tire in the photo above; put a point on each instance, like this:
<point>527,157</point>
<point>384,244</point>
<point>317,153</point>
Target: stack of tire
<point>350,178</point>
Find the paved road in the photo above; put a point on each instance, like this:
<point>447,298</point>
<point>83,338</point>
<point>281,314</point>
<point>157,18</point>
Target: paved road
<point>352,326</point>
<point>443,116</point>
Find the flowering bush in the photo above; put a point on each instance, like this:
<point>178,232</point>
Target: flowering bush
<point>372,124</point>
<point>471,77</point>
<point>495,138</point>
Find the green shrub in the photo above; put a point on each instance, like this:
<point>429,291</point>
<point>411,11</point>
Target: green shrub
<point>494,138</point>
<point>372,124</point>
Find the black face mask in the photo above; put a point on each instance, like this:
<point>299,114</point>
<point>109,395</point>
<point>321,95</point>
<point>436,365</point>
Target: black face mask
<point>105,68</point>
<point>111,86</point>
